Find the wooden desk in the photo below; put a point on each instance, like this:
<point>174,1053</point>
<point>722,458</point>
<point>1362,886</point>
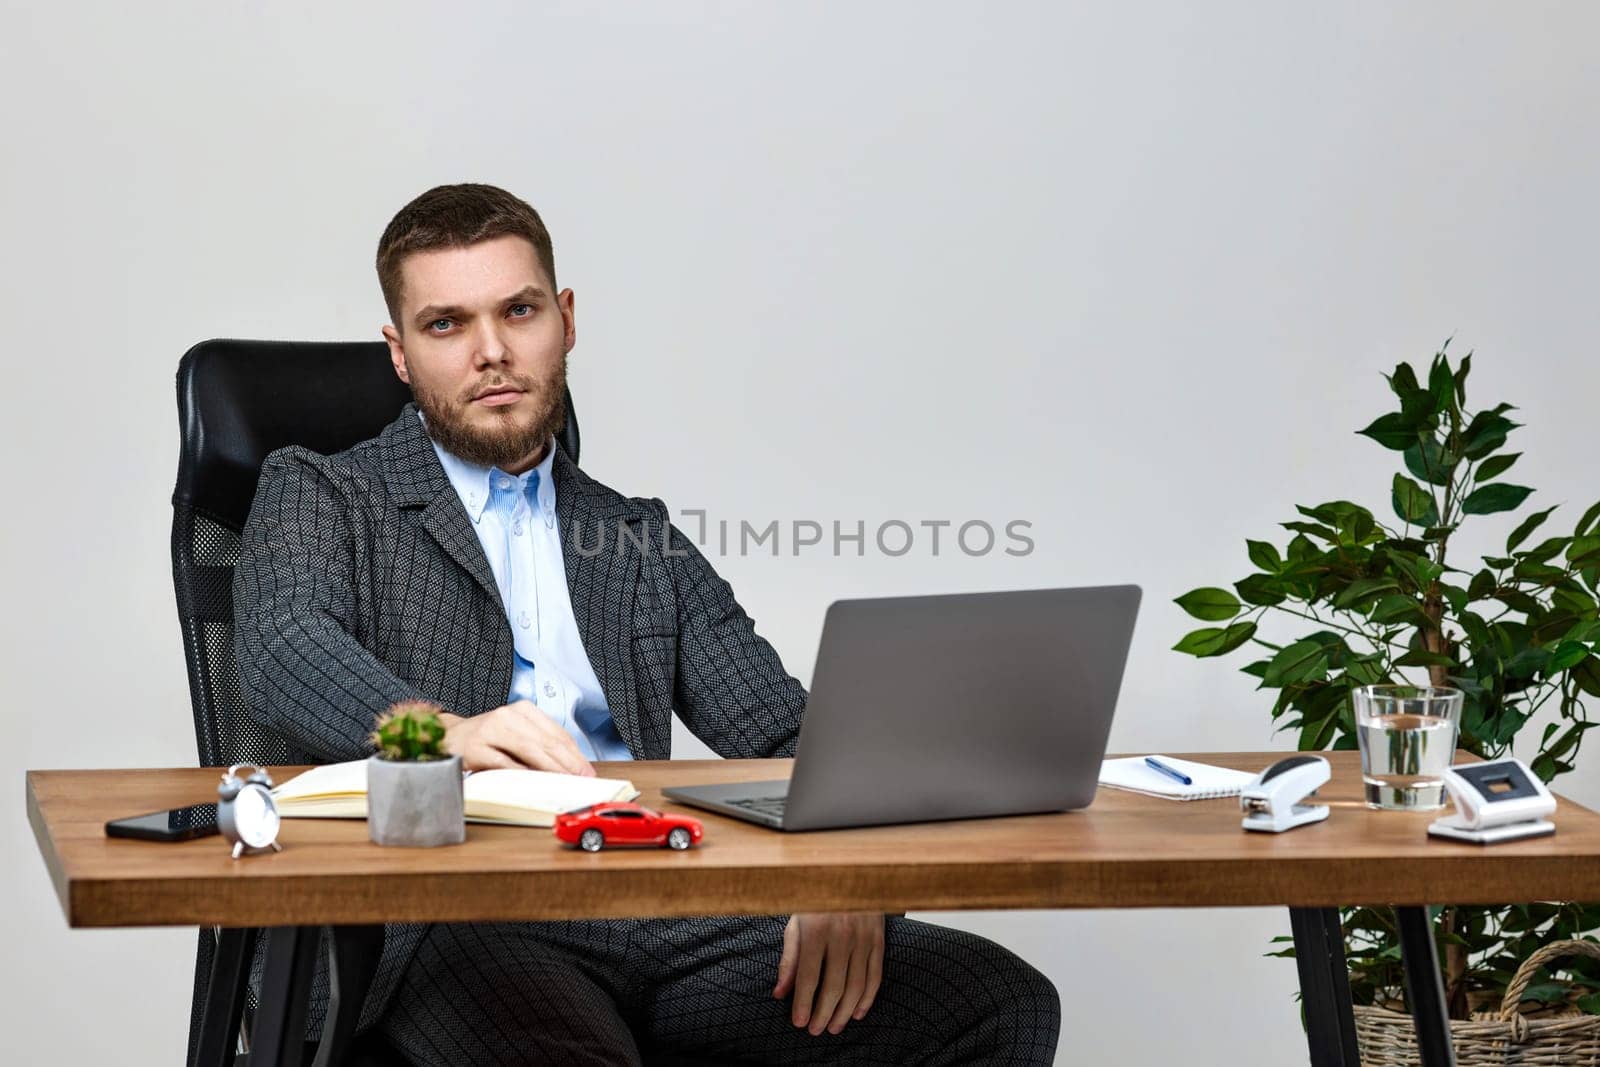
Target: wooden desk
<point>1126,850</point>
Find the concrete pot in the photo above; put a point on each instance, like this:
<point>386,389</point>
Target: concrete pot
<point>415,804</point>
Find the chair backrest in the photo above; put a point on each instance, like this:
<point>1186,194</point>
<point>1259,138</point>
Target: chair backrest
<point>238,401</point>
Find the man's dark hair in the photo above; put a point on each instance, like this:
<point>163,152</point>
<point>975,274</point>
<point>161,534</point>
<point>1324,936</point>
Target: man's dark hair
<point>453,216</point>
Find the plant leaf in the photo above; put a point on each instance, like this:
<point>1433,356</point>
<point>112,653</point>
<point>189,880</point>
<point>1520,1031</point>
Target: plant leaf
<point>1317,735</point>
<point>1547,549</point>
<point>1364,590</point>
<point>1261,590</point>
<point>1393,431</point>
<point>1430,462</point>
<point>1236,635</point>
<point>1580,603</point>
<point>1413,503</point>
<point>1588,520</point>
<point>1528,525</point>
<point>1421,658</point>
<point>1367,670</point>
<point>1488,499</point>
<point>1583,551</point>
<point>1313,529</point>
<point>1301,549</point>
<point>1210,604</point>
<point>1213,641</point>
<point>1299,662</point>
<point>1482,585</point>
<point>1486,432</point>
<point>1567,654</point>
<point>1517,600</point>
<point>1265,556</point>
<point>1404,381</point>
<point>1587,676</point>
<point>1441,384</point>
<point>1530,571</point>
<point>1478,630</point>
<point>1569,738</point>
<point>1495,466</point>
<point>1400,608</point>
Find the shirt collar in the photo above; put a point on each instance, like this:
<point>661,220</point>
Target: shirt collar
<point>471,481</point>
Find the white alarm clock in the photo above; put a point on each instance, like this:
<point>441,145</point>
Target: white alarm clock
<point>246,813</point>
<point>1497,800</point>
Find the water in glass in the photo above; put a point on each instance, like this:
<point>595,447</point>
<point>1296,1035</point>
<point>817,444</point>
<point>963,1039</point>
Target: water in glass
<point>1407,737</point>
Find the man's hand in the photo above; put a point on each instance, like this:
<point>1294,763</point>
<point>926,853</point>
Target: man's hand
<point>833,963</point>
<point>513,735</point>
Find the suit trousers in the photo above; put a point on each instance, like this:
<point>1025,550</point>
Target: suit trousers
<point>617,992</point>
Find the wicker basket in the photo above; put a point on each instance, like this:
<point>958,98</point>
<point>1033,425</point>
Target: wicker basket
<point>1493,1039</point>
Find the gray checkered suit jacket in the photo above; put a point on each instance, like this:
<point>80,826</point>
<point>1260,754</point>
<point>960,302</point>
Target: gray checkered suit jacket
<point>361,582</point>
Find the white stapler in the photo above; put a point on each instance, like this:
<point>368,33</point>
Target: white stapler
<point>1271,803</point>
<point>1497,800</point>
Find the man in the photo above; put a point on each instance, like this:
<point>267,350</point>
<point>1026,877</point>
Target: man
<point>462,557</point>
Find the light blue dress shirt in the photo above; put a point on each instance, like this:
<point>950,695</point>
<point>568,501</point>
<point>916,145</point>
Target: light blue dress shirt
<point>514,517</point>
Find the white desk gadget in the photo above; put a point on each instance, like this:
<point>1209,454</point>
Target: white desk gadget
<point>1500,800</point>
<point>1272,803</point>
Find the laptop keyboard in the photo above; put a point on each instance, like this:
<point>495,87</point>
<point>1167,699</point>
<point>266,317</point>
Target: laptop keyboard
<point>772,806</point>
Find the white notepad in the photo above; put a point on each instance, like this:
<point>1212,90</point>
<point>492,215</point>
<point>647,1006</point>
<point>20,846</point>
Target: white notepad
<point>1136,776</point>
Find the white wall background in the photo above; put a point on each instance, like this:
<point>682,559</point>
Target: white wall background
<point>1128,271</point>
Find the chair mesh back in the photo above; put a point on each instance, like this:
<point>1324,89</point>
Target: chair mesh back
<point>204,553</point>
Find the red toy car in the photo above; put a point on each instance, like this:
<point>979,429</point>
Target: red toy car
<point>617,823</point>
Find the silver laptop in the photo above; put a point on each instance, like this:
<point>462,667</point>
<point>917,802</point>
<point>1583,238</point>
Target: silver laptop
<point>949,707</point>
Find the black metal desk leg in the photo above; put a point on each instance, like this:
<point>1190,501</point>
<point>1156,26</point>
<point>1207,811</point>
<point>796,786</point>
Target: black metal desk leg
<point>1324,987</point>
<point>353,953</point>
<point>278,1037</point>
<point>1425,987</point>
<point>230,973</point>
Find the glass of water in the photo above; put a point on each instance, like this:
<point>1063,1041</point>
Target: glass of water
<point>1407,735</point>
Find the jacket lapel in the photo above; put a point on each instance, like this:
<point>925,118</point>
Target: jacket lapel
<point>416,476</point>
<point>601,580</point>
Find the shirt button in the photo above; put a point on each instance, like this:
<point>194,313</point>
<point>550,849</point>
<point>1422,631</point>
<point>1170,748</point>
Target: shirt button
<point>517,529</point>
<point>549,690</point>
<point>525,620</point>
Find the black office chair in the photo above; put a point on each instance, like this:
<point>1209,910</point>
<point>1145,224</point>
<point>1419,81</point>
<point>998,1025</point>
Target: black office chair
<point>238,401</point>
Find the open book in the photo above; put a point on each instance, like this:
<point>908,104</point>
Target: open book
<point>507,797</point>
<point>1134,775</point>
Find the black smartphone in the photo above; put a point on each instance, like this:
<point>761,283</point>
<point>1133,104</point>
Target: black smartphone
<point>178,824</point>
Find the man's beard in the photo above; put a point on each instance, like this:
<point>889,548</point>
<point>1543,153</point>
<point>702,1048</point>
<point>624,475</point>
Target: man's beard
<point>509,442</point>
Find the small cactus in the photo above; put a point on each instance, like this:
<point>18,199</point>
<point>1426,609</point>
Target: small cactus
<point>410,730</point>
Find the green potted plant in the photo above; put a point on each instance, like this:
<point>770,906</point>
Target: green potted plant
<point>1381,600</point>
<point>414,787</point>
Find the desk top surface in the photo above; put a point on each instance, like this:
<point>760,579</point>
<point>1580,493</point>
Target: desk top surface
<point>1125,850</point>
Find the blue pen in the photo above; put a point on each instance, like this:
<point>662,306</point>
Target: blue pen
<point>1170,772</point>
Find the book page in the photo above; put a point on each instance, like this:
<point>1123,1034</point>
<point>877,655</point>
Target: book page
<point>510,793</point>
<point>331,780</point>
